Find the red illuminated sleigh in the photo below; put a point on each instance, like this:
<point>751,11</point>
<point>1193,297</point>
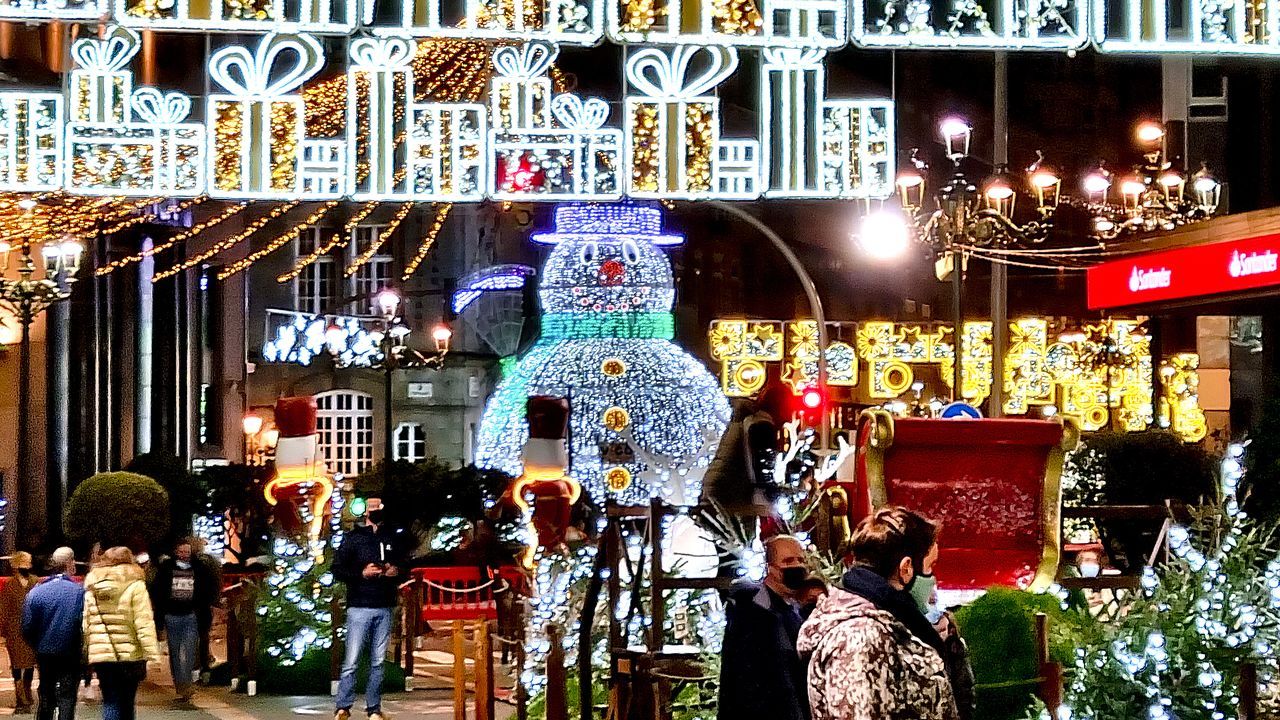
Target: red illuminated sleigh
<point>993,485</point>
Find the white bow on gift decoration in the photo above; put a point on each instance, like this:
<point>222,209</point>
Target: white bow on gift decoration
<point>110,54</point>
<point>656,73</point>
<point>525,63</point>
<point>248,74</point>
<point>574,114</point>
<point>794,57</point>
<point>372,54</point>
<point>156,108</point>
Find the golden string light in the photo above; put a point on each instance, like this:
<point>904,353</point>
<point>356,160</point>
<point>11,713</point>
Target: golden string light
<point>428,240</point>
<point>228,243</point>
<point>188,233</point>
<point>374,247</point>
<point>145,217</point>
<point>339,239</point>
<point>278,242</point>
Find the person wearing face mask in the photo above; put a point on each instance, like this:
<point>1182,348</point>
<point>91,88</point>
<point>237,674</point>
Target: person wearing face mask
<point>22,659</point>
<point>871,652</point>
<point>183,588</point>
<point>372,568</point>
<point>955,652</point>
<point>761,674</point>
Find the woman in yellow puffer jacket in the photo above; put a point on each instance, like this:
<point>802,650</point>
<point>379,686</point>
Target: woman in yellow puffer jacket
<point>119,630</point>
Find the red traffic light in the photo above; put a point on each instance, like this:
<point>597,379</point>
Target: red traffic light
<point>811,398</point>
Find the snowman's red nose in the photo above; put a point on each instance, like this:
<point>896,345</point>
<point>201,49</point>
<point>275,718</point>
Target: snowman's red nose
<point>612,272</point>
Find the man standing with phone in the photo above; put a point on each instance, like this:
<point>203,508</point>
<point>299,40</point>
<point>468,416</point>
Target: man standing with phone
<point>368,563</point>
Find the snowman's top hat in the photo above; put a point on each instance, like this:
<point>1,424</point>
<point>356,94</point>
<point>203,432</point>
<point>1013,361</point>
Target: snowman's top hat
<point>593,221</point>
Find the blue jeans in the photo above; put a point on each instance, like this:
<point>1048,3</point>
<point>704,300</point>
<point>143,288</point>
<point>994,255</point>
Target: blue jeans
<point>59,678</point>
<point>184,641</point>
<point>372,627</point>
<point>119,684</point>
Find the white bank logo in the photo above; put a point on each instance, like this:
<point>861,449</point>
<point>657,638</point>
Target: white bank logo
<point>1149,279</point>
<point>1244,265</point>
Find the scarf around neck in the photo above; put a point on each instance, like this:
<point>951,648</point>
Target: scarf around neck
<point>867,584</point>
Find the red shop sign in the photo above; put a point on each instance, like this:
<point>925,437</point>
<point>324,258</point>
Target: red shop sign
<point>1189,272</point>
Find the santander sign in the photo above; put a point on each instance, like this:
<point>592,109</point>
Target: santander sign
<point>1141,280</point>
<point>1187,274</point>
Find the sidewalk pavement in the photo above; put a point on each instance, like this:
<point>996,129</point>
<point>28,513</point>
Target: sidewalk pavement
<point>431,701</point>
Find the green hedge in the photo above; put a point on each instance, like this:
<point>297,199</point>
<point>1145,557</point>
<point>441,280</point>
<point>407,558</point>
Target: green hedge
<point>117,508</point>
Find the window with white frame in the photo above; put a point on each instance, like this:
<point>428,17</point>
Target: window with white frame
<point>411,442</point>
<point>375,273</point>
<point>344,419</point>
<point>315,286</point>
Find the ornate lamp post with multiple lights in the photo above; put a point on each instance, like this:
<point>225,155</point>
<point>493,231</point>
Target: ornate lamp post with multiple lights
<point>27,297</point>
<point>978,218</point>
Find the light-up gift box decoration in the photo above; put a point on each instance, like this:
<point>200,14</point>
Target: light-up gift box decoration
<point>577,22</point>
<point>31,136</point>
<point>286,16</point>
<point>769,23</point>
<point>378,121</point>
<point>673,127</point>
<point>126,142</point>
<point>260,148</point>
<point>53,9</point>
<point>1001,25</point>
<point>1226,27</point>
<point>816,147</point>
<point>548,146</point>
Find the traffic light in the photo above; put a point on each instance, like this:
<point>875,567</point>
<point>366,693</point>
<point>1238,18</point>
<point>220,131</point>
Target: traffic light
<point>810,403</point>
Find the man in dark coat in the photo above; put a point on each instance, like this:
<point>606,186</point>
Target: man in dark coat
<point>761,674</point>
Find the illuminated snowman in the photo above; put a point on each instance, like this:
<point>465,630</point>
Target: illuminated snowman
<point>646,416</point>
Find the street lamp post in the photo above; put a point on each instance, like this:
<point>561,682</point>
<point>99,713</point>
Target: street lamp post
<point>396,356</point>
<point>27,297</point>
<point>815,305</point>
<point>978,221</point>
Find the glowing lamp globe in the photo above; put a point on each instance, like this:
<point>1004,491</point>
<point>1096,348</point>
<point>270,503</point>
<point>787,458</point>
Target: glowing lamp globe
<point>646,417</point>
<point>884,235</point>
<point>1150,132</point>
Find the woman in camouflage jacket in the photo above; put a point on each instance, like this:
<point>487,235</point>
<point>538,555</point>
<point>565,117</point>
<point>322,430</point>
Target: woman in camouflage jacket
<point>872,654</point>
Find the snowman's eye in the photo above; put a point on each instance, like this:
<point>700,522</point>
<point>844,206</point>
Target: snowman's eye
<point>631,251</point>
<point>589,252</point>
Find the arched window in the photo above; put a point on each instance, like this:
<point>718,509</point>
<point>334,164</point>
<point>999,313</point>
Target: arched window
<point>344,419</point>
<point>411,442</point>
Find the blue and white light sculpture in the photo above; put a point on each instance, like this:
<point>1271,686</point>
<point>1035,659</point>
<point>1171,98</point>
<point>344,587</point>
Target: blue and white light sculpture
<point>646,416</point>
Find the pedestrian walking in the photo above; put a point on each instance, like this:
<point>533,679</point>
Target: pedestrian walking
<point>872,653</point>
<point>204,613</point>
<point>51,623</point>
<point>370,566</point>
<point>761,674</point>
<point>22,659</point>
<point>119,630</point>
<point>183,589</point>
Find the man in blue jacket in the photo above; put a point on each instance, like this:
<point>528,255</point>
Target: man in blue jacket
<point>51,619</point>
<point>369,563</point>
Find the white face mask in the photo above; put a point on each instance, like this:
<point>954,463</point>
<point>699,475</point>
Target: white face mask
<point>1090,569</point>
<point>184,564</point>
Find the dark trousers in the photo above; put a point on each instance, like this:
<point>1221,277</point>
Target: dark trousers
<point>119,684</point>
<point>59,677</point>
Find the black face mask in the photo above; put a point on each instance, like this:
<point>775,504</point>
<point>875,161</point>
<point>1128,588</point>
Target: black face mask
<point>24,572</point>
<point>375,516</point>
<point>793,577</point>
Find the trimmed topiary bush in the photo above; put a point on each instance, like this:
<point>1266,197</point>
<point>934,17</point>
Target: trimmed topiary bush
<point>999,628</point>
<point>117,508</point>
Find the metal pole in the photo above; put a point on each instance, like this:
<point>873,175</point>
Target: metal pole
<point>999,271</point>
<point>28,508</point>
<point>388,440</point>
<point>815,303</point>
<point>57,344</point>
<point>957,304</point>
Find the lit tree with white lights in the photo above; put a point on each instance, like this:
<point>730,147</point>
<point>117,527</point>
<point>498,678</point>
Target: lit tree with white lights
<point>1178,650</point>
